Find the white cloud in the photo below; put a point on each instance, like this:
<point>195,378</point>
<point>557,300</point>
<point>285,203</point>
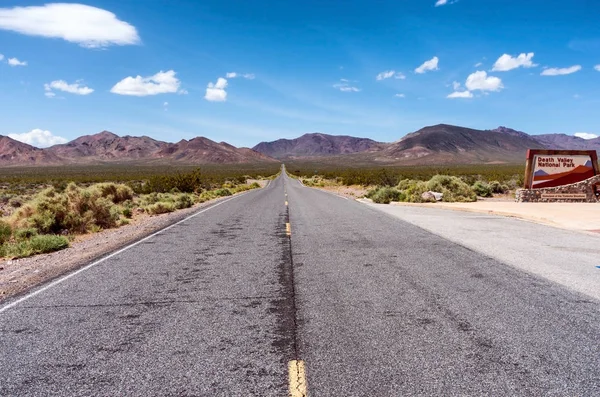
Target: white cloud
<point>385,75</point>
<point>432,64</point>
<point>216,92</point>
<point>461,94</point>
<point>456,85</point>
<point>597,67</point>
<point>16,62</point>
<point>561,71</point>
<point>38,138</point>
<point>160,83</point>
<point>49,94</point>
<point>400,96</point>
<point>478,64</point>
<point>585,135</point>
<point>441,3</point>
<point>481,81</point>
<point>85,25</point>
<point>1,57</point>
<point>233,75</point>
<point>61,85</point>
<point>344,86</point>
<point>507,62</point>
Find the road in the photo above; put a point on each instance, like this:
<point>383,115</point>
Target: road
<point>238,299</point>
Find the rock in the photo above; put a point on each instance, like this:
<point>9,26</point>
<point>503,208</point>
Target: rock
<point>428,197</point>
<point>432,196</point>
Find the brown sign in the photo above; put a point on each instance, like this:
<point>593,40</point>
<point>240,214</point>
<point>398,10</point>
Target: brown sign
<point>553,168</point>
<point>565,196</point>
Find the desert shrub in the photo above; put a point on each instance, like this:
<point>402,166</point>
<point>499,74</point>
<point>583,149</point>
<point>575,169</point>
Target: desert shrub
<point>25,233</point>
<point>117,193</point>
<point>15,202</point>
<point>74,210</point>
<point>184,200</point>
<point>127,212</point>
<point>453,188</point>
<point>385,195</point>
<point>222,192</point>
<point>5,232</point>
<point>498,187</point>
<point>42,244</point>
<point>482,189</point>
<point>254,185</point>
<point>160,208</point>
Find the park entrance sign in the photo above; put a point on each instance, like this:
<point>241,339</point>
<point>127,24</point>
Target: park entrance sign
<point>561,175</point>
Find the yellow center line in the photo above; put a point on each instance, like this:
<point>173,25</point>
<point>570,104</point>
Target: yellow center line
<point>286,203</point>
<point>288,229</point>
<point>297,377</point>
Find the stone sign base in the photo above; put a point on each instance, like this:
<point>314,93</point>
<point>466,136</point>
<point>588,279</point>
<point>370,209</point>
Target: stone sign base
<point>580,192</point>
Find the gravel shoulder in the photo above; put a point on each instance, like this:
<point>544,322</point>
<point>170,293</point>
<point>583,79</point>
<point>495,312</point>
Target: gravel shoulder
<point>20,275</point>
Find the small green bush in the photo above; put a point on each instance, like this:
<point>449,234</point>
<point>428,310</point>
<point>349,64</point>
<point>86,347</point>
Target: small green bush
<point>453,188</point>
<point>25,233</point>
<point>42,244</point>
<point>127,213</point>
<point>482,189</point>
<point>160,208</point>
<point>254,185</point>
<point>183,200</point>
<point>498,187</point>
<point>385,195</point>
<point>5,232</point>
<point>222,192</point>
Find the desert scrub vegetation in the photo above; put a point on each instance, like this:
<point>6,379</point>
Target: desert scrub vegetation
<point>453,189</point>
<point>50,214</point>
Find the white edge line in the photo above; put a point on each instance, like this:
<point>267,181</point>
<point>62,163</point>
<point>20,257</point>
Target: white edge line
<point>86,267</point>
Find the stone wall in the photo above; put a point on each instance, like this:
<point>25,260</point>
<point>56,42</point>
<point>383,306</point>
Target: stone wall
<point>584,189</point>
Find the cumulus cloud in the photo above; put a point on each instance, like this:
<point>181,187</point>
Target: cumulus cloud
<point>585,135</point>
<point>561,71</point>
<point>461,94</point>
<point>481,81</point>
<point>16,62</point>
<point>38,138</point>
<point>441,3</point>
<point>160,83</point>
<point>597,67</point>
<point>85,25</point>
<point>507,62</point>
<point>215,92</point>
<point>432,64</point>
<point>345,86</point>
<point>388,74</point>
<point>76,88</point>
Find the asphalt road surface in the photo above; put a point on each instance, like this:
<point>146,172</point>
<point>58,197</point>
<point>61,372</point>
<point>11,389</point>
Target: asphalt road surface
<point>238,299</point>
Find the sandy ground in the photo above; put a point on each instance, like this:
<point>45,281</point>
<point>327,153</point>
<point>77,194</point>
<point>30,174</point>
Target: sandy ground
<point>20,275</point>
<point>572,216</point>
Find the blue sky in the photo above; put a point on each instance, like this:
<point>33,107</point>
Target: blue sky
<point>244,72</point>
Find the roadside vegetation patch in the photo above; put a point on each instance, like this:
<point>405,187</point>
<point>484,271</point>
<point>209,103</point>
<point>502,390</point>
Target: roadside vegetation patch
<point>51,214</point>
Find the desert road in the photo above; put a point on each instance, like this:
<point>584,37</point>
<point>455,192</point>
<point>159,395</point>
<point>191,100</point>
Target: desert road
<point>291,290</point>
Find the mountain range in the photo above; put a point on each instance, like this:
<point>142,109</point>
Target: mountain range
<point>439,144</point>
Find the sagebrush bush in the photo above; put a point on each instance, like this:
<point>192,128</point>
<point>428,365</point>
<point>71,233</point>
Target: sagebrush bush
<point>498,187</point>
<point>482,189</point>
<point>385,195</point>
<point>222,192</point>
<point>5,232</point>
<point>42,244</point>
<point>25,233</point>
<point>453,188</point>
<point>117,193</point>
<point>160,207</point>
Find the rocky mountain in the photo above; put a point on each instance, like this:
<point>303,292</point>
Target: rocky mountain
<point>452,144</point>
<point>13,152</point>
<point>106,147</point>
<point>203,150</point>
<point>563,141</point>
<point>316,145</point>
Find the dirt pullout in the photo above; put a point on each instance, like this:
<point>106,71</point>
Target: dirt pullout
<point>20,275</point>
